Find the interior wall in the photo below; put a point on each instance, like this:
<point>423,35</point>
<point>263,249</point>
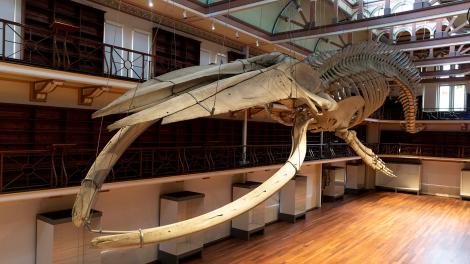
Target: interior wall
<point>130,23</point>
<point>430,95</point>
<point>18,227</point>
<point>441,178</point>
<point>132,208</point>
<point>18,92</point>
<point>435,177</point>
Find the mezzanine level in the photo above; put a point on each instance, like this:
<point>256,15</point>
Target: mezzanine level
<point>29,45</point>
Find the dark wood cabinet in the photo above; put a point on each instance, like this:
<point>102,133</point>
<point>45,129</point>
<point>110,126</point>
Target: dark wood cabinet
<point>233,56</point>
<point>174,51</point>
<point>63,34</point>
<point>40,127</point>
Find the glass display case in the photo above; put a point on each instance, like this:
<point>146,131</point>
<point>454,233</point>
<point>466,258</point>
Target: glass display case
<point>176,207</point>
<point>333,183</point>
<point>293,199</point>
<point>355,176</point>
<point>57,239</point>
<point>251,222</point>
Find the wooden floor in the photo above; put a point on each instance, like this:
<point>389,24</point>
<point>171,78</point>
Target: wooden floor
<point>374,228</point>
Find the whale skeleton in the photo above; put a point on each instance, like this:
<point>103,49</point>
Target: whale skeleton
<point>333,91</point>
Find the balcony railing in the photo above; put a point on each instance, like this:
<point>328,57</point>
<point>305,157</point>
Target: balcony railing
<point>46,48</point>
<point>445,114</point>
<point>62,167</point>
<point>446,151</point>
<point>386,113</point>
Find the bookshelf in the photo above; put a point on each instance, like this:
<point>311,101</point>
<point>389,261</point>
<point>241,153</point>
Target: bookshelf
<point>174,51</point>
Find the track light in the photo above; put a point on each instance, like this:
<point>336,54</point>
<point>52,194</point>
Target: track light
<point>150,3</point>
<point>213,26</point>
<point>185,14</point>
<point>237,34</point>
<point>257,43</point>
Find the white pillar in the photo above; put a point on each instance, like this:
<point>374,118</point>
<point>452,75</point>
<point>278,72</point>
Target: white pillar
<point>245,120</point>
<point>387,9</point>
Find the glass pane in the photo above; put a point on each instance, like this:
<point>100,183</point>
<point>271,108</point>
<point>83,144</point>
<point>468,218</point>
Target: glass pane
<point>444,98</point>
<point>140,42</point>
<point>205,57</point>
<point>459,97</point>
<point>113,57</point>
<point>12,33</point>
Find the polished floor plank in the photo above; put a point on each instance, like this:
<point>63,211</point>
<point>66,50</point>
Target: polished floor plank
<point>374,228</point>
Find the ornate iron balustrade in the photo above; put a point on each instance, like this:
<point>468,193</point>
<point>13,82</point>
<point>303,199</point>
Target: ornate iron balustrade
<point>62,167</point>
<point>46,48</point>
<point>446,151</point>
<point>385,113</point>
<point>445,114</point>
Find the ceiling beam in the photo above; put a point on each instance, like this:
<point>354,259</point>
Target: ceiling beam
<point>296,48</point>
<point>222,7</point>
<point>436,74</point>
<point>442,61</point>
<point>447,80</point>
<point>243,26</point>
<point>435,43</point>
<point>433,12</point>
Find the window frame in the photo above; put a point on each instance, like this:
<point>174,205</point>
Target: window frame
<point>451,97</point>
<point>146,72</point>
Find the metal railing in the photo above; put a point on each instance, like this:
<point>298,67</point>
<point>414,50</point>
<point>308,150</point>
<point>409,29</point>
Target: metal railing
<point>62,167</point>
<point>46,48</point>
<point>26,170</point>
<point>386,113</point>
<point>445,114</point>
<point>445,151</point>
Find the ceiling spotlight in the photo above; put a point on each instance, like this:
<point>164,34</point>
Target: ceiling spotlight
<point>213,26</point>
<point>237,34</point>
<point>257,43</point>
<point>185,14</point>
<point>150,3</point>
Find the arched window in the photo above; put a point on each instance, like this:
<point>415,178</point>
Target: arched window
<point>402,35</point>
<point>423,33</point>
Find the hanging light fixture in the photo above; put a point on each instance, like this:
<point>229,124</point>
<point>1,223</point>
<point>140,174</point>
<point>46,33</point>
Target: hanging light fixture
<point>185,14</point>
<point>150,3</point>
<point>237,34</point>
<point>213,25</point>
<point>257,43</point>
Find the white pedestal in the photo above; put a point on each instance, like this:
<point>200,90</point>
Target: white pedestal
<point>251,222</point>
<point>465,184</point>
<point>176,207</point>
<point>58,241</point>
<point>293,199</point>
<point>334,182</point>
<point>355,176</point>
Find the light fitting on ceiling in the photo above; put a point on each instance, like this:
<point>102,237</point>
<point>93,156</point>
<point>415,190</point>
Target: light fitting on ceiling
<point>150,3</point>
<point>185,14</point>
<point>257,43</point>
<point>213,26</point>
<point>237,34</point>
